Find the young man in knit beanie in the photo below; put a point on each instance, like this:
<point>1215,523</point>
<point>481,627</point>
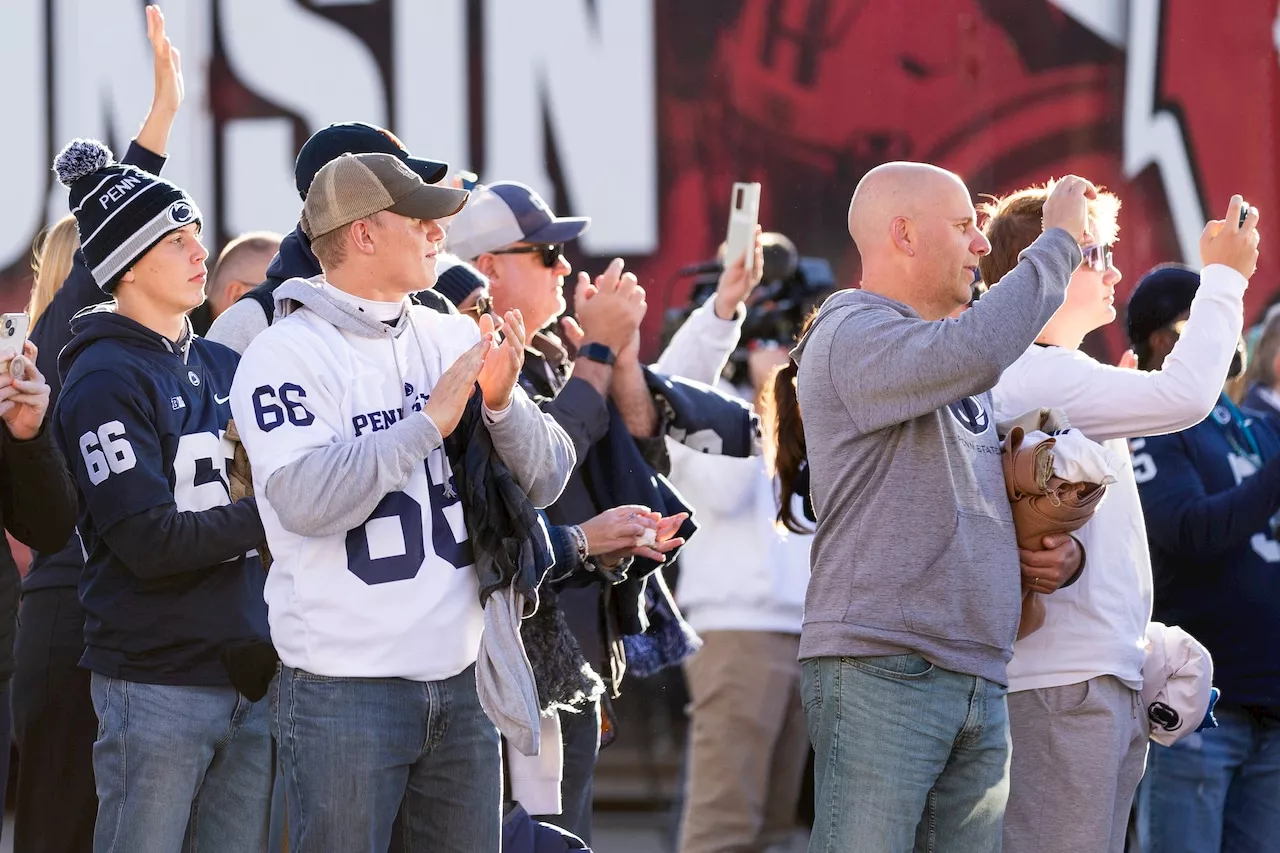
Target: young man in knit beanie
<point>53,720</point>
<point>1078,730</point>
<point>171,580</point>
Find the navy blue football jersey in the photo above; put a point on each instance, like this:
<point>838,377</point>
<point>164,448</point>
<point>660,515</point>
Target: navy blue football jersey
<point>171,576</point>
<point>1210,495</point>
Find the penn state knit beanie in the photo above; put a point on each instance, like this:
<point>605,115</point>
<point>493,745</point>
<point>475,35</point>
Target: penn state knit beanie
<point>121,211</point>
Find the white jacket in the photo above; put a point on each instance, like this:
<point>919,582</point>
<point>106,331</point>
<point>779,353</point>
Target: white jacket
<point>373,573</point>
<point>1177,683</point>
<point>739,572</point>
<point>1098,626</point>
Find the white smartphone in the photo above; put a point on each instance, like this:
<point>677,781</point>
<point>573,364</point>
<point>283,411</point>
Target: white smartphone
<point>13,334</point>
<point>744,215</point>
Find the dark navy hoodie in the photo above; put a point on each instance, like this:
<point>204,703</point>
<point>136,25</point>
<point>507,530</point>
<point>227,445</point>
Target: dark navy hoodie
<point>52,332</point>
<point>1215,561</point>
<point>167,584</point>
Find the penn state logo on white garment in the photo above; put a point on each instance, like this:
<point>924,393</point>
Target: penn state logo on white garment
<point>195,380</point>
<point>181,212</point>
<point>970,415</point>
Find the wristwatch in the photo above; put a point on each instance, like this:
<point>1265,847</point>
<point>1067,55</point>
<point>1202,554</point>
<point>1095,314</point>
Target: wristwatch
<point>598,352</point>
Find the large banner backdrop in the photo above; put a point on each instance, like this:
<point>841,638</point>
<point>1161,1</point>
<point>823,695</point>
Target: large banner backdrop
<point>642,113</point>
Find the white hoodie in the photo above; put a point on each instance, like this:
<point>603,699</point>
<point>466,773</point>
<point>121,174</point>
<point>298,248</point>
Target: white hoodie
<point>739,573</point>
<point>1098,626</point>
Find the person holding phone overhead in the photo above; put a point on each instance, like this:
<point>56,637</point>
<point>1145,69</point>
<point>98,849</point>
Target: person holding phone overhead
<point>914,597</point>
<point>513,237</point>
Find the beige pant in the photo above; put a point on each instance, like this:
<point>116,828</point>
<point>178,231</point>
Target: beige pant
<point>749,743</point>
<point>1078,755</point>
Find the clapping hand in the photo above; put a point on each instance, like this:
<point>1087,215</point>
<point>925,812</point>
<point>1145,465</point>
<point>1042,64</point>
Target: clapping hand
<point>449,397</point>
<point>502,364</point>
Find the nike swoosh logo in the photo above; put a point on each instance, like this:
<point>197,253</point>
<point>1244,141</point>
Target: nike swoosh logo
<point>221,400</point>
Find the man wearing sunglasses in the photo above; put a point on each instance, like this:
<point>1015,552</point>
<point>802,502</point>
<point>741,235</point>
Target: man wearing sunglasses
<point>1076,719</point>
<point>511,235</point>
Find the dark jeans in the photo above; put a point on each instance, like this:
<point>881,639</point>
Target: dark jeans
<point>54,725</point>
<point>6,737</point>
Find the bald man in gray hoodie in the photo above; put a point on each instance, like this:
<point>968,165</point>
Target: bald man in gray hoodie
<point>915,593</point>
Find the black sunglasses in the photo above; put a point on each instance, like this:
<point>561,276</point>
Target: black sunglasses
<point>550,252</point>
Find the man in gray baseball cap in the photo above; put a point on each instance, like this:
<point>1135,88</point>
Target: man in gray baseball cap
<point>355,186</point>
<point>374,597</point>
<point>358,190</point>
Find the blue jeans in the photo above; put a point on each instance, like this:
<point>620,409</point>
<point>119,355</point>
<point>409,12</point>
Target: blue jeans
<point>1218,790</point>
<point>179,768</point>
<point>355,751</point>
<point>909,756</point>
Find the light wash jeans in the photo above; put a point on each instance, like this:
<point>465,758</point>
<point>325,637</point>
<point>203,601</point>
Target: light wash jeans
<point>355,751</point>
<point>909,756</point>
<point>179,768</point>
<point>1217,790</point>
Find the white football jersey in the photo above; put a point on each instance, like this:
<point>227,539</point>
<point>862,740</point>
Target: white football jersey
<point>398,595</point>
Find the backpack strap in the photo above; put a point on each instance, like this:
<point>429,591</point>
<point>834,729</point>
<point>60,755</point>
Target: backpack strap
<point>265,295</point>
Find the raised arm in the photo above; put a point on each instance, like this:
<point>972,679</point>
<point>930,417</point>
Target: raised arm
<point>888,368</point>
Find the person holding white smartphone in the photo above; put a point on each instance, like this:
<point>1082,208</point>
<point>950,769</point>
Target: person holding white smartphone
<point>37,500</point>
<point>54,725</point>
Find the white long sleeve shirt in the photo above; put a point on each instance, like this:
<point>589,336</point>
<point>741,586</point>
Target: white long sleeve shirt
<point>739,573</point>
<point>1098,625</point>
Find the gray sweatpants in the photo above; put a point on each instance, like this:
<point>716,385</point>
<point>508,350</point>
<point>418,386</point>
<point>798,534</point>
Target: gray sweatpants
<point>1078,755</point>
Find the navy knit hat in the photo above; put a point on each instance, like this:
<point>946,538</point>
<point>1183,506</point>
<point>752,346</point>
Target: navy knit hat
<point>357,137</point>
<point>121,211</point>
<point>456,279</point>
<point>1160,297</point>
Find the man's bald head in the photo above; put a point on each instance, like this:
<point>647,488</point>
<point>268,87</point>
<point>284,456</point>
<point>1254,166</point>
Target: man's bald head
<point>241,266</point>
<point>897,189</point>
<point>917,232</point>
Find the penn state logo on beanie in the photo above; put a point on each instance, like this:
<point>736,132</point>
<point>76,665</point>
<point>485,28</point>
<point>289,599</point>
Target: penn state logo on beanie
<point>120,210</point>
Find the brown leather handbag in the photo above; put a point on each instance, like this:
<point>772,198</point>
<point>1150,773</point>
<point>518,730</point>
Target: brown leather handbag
<point>1042,504</point>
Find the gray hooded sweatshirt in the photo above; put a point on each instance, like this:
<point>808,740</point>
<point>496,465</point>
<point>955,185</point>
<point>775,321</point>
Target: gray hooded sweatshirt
<point>914,551</point>
<point>336,488</point>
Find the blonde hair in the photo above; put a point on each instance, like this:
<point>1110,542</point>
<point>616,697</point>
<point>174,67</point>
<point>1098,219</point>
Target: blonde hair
<point>51,258</point>
<point>1013,223</point>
